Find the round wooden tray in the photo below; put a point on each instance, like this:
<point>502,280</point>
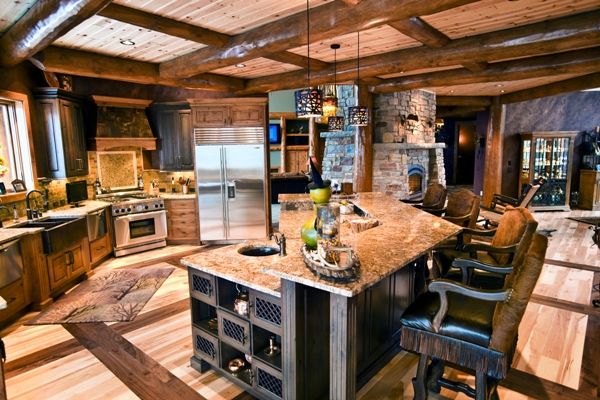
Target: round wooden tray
<point>343,273</point>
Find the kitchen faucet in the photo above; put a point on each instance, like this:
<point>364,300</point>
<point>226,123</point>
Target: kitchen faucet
<point>35,213</point>
<point>280,241</point>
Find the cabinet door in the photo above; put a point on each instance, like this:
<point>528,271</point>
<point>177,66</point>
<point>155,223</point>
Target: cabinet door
<point>58,269</point>
<point>247,115</point>
<point>185,140</point>
<point>167,129</point>
<point>50,129</point>
<point>296,160</point>
<point>78,265</point>
<point>210,116</point>
<point>72,127</point>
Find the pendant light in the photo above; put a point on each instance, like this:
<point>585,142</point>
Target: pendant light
<point>358,115</point>
<point>335,123</point>
<point>309,102</point>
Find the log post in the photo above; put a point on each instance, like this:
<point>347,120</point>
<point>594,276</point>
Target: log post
<point>363,146</point>
<point>494,145</point>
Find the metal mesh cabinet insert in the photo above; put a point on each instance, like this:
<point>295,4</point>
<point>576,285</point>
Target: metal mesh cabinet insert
<point>202,286</point>
<point>265,311</point>
<point>234,331</point>
<point>206,347</point>
<point>266,380</point>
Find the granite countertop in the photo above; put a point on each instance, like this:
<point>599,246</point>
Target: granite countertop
<point>177,196</point>
<point>86,208</point>
<point>404,235</point>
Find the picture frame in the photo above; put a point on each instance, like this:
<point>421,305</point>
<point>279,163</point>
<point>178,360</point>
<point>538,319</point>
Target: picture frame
<point>19,185</point>
<point>2,188</point>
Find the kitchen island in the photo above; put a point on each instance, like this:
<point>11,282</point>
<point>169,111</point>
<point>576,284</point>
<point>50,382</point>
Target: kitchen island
<point>331,334</point>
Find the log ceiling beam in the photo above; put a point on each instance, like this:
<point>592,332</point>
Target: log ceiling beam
<point>443,101</point>
<point>164,25</point>
<point>421,31</point>
<point>589,81</point>
<point>41,25</point>
<point>576,32</point>
<point>573,62</point>
<point>75,62</point>
<point>352,2</point>
<point>296,59</point>
<point>329,20</point>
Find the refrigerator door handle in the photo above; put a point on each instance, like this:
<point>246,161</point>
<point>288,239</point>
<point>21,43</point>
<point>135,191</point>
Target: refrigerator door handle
<point>222,177</point>
<point>225,192</point>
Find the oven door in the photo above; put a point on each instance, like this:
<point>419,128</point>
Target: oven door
<point>131,230</point>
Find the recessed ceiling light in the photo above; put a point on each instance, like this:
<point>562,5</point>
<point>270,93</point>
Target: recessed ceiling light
<point>499,85</point>
<point>127,42</point>
<point>452,91</point>
<point>240,65</point>
<point>502,91</point>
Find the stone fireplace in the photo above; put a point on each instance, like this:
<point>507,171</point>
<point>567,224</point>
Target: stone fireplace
<point>406,158</point>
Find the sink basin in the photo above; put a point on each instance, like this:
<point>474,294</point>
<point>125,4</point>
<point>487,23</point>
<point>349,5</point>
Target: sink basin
<point>58,233</point>
<point>259,251</point>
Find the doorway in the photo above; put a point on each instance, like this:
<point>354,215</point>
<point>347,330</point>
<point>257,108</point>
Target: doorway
<point>464,155</point>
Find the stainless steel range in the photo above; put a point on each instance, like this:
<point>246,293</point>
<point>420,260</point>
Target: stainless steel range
<point>139,221</point>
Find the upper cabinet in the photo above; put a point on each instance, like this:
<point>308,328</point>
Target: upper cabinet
<point>173,124</point>
<point>228,112</point>
<point>61,119</point>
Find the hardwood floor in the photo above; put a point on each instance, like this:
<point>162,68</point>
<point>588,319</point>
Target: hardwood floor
<point>558,354</point>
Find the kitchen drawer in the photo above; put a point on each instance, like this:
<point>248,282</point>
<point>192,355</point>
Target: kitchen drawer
<point>99,248</point>
<point>234,331</point>
<point>265,311</point>
<point>14,295</point>
<point>266,380</point>
<point>188,232</point>
<point>202,286</point>
<point>183,204</point>
<point>184,223</point>
<point>206,346</point>
<point>188,214</point>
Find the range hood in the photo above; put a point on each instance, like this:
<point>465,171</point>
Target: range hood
<point>121,122</point>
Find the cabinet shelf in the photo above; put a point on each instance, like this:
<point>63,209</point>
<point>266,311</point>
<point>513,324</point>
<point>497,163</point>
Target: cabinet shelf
<point>547,155</point>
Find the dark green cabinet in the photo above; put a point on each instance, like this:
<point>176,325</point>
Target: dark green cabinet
<point>173,127</point>
<point>61,119</point>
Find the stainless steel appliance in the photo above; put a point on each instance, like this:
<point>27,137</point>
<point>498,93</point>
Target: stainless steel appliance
<point>96,224</point>
<point>230,172</point>
<point>139,222</point>
<point>11,263</point>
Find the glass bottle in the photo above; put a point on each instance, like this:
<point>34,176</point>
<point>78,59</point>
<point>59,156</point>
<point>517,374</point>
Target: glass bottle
<point>15,213</point>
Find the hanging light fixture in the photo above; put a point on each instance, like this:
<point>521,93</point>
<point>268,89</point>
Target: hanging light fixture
<point>358,115</point>
<point>309,102</point>
<point>335,123</point>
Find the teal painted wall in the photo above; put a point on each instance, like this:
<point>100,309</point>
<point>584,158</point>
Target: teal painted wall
<point>280,101</point>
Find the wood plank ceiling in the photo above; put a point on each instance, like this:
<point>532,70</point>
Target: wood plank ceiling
<point>451,47</point>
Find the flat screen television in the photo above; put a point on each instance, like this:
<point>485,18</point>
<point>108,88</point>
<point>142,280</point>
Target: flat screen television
<point>76,192</point>
<point>274,133</point>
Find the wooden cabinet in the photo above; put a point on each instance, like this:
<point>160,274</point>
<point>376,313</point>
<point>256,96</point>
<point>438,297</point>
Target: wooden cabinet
<point>228,112</point>
<point>61,117</point>
<point>235,335</point>
<point>548,155</point>
<point>102,246</point>
<point>68,264</point>
<point>182,221</point>
<point>296,160</point>
<point>589,190</point>
<point>172,123</point>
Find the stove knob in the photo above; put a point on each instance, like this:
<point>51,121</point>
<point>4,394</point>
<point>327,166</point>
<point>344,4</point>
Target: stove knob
<point>116,211</point>
<point>122,210</point>
<point>162,205</point>
<point>146,207</point>
<point>128,209</point>
<point>156,206</point>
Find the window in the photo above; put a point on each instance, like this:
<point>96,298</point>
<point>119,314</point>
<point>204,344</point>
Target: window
<point>15,153</point>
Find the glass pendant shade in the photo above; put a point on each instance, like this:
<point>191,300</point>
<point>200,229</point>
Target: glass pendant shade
<point>330,104</point>
<point>335,124</point>
<point>309,103</point>
<point>358,116</point>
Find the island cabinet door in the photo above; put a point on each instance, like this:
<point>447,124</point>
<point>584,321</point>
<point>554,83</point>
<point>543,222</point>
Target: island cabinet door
<point>234,331</point>
<point>206,347</point>
<point>265,311</point>
<point>266,380</point>
<point>202,286</point>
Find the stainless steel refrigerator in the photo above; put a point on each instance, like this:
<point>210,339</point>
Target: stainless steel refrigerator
<point>231,187</point>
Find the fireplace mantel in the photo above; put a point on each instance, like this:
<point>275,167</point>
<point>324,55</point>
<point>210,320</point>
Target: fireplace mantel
<point>409,146</point>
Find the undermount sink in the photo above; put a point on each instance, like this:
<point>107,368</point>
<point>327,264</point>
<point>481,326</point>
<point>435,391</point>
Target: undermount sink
<point>58,233</point>
<point>259,251</point>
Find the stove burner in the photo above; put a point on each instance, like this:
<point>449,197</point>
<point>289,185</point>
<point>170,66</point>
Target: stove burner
<point>133,203</point>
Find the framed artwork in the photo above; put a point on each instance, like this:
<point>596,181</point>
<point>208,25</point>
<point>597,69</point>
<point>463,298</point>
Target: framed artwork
<point>2,188</point>
<point>19,185</point>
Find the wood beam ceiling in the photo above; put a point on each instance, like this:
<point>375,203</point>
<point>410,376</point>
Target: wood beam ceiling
<point>41,25</point>
<point>67,61</point>
<point>573,62</point>
<point>589,81</point>
<point>164,25</point>
<point>560,35</point>
<point>329,20</point>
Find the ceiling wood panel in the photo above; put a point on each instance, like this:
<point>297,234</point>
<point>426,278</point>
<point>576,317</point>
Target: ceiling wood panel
<point>256,68</point>
<point>492,15</point>
<point>11,11</point>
